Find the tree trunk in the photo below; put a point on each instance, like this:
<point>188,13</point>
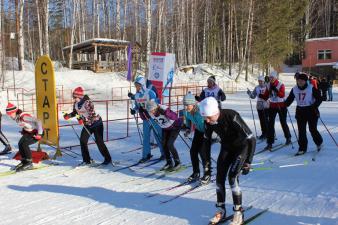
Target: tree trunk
<point>39,26</point>
<point>148,22</point>
<point>21,56</point>
<point>72,34</point>
<point>118,20</point>
<point>46,29</point>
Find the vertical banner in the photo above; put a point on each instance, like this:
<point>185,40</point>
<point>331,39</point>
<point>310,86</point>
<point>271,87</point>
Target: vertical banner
<point>161,71</point>
<point>130,63</point>
<point>46,99</point>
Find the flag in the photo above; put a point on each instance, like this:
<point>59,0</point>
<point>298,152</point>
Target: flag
<point>130,63</point>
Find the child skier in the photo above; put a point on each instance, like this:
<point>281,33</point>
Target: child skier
<point>171,126</point>
<point>4,141</point>
<point>237,150</point>
<point>193,117</point>
<point>83,108</point>
<point>262,106</point>
<point>308,100</point>
<point>143,95</point>
<point>32,132</point>
<point>213,90</point>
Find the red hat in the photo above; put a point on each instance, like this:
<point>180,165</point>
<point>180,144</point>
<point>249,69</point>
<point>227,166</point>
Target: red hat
<point>78,92</point>
<point>11,108</point>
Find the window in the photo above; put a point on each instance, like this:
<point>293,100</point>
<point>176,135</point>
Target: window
<point>324,54</point>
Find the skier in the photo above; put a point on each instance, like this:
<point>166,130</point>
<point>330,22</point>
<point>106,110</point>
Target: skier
<point>275,92</point>
<point>323,87</point>
<point>143,95</point>
<point>213,90</point>
<point>4,141</point>
<point>330,82</point>
<point>32,132</point>
<point>308,100</point>
<point>83,110</point>
<point>171,126</point>
<point>236,153</point>
<point>262,106</point>
<point>193,117</point>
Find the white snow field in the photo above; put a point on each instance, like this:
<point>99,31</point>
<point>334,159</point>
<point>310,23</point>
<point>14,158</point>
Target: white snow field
<point>296,190</point>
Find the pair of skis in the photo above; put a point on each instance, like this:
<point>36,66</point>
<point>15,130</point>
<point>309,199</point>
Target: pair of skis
<point>246,221</point>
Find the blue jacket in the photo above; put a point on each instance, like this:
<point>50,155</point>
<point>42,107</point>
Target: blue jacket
<point>195,119</point>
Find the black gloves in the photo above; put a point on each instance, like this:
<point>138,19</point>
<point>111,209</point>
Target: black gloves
<point>246,168</point>
<point>131,95</point>
<point>132,111</point>
<point>274,88</point>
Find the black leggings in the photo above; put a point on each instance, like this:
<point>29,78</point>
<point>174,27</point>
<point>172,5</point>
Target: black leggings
<point>169,137</point>
<point>98,134</point>
<point>3,138</point>
<point>25,141</point>
<point>282,112</point>
<point>229,163</point>
<point>198,147</point>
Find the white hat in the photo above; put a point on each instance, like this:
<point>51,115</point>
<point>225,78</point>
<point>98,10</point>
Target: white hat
<point>273,74</point>
<point>261,77</point>
<point>209,107</point>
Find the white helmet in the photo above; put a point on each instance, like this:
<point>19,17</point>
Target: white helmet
<point>209,107</point>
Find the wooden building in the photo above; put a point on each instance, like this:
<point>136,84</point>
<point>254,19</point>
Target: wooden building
<point>102,55</point>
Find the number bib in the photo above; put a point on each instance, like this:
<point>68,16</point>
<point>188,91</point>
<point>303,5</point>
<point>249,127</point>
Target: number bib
<point>304,97</point>
<point>163,121</point>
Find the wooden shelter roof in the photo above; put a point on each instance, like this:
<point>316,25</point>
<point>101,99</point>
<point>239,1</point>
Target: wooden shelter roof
<point>104,45</point>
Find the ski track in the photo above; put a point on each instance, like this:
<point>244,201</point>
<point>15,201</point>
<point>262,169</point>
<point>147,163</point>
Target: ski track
<point>62,195</point>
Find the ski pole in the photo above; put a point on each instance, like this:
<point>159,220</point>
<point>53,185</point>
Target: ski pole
<point>253,117</point>
<point>153,126</point>
<point>328,131</point>
<point>138,130</point>
<point>78,137</point>
<point>305,163</point>
<point>84,126</point>
<point>292,126</point>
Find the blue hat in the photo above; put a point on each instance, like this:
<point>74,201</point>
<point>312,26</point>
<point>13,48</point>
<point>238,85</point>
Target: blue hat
<point>189,99</point>
<point>140,80</point>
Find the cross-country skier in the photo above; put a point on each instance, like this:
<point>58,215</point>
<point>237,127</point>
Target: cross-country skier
<point>308,99</point>
<point>213,90</point>
<point>4,141</point>
<point>32,132</point>
<point>143,95</point>
<point>83,109</point>
<point>236,153</point>
<point>193,117</point>
<point>171,126</point>
<point>275,92</point>
<point>262,106</point>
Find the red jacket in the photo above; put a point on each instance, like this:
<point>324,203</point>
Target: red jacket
<point>276,99</point>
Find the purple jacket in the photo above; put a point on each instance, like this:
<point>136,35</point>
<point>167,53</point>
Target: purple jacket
<point>167,119</point>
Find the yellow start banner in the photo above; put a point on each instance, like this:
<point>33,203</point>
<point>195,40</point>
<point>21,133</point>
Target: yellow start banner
<point>46,99</point>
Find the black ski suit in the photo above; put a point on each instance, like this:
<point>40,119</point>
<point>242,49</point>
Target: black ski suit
<point>3,138</point>
<point>237,147</point>
<point>306,112</point>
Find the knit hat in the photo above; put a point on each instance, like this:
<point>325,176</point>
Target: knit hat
<point>189,99</point>
<point>212,79</point>
<point>151,105</point>
<point>261,78</point>
<point>140,80</point>
<point>11,108</point>
<point>302,76</point>
<point>209,107</point>
<point>78,92</point>
<point>273,74</point>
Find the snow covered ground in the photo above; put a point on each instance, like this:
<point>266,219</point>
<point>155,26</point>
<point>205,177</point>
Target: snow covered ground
<point>303,194</point>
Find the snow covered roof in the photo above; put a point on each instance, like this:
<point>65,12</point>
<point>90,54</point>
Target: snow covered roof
<point>106,45</point>
<point>322,39</point>
<point>335,66</point>
<point>327,64</point>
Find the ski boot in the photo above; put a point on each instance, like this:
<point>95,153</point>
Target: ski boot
<point>7,150</point>
<point>206,177</point>
<point>268,147</point>
<point>300,152</point>
<point>147,158</point>
<point>195,176</point>
<point>238,218</point>
<point>288,141</point>
<point>177,165</point>
<point>262,137</point>
<point>319,147</point>
<point>84,163</point>
<point>19,165</point>
<point>28,165</point>
<point>106,162</point>
<point>219,216</point>
<point>167,166</point>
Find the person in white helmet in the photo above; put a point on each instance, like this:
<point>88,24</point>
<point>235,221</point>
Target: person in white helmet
<point>261,106</point>
<point>236,154</point>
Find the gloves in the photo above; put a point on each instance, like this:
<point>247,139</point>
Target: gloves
<point>79,120</point>
<point>66,116</point>
<point>197,98</point>
<point>132,111</point>
<point>274,88</point>
<point>37,137</point>
<point>248,92</point>
<point>187,133</point>
<point>246,168</point>
<point>131,95</point>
